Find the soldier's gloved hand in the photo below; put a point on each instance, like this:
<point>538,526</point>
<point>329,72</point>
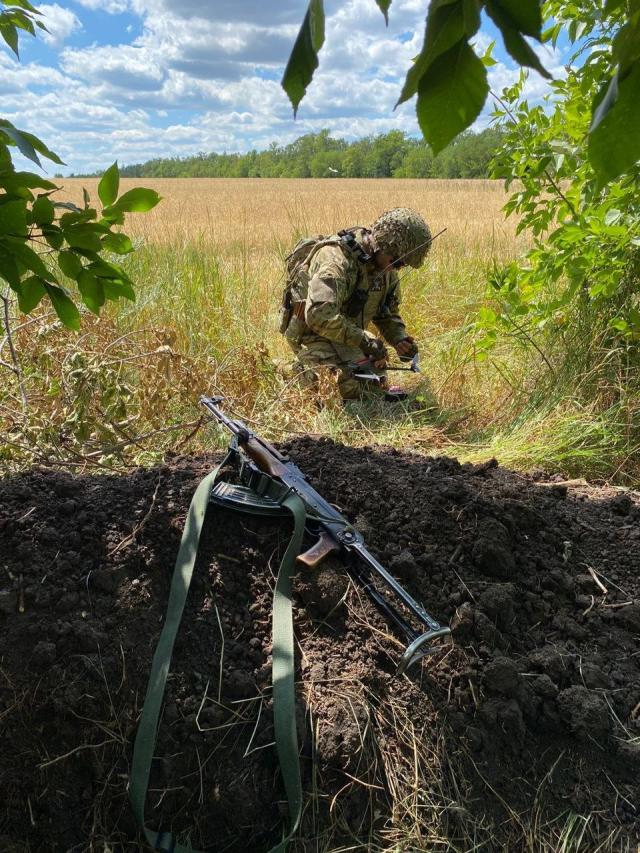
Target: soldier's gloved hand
<point>406,348</point>
<point>374,347</point>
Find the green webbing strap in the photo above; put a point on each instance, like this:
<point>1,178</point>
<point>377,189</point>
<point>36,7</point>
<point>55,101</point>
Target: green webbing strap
<point>283,672</point>
<point>283,668</point>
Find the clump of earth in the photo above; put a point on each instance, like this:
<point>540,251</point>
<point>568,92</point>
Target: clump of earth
<point>527,725</point>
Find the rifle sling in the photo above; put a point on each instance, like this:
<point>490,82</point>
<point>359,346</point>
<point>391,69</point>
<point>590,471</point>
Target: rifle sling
<point>282,674</point>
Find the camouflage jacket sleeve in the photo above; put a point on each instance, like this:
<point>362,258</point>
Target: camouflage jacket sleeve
<point>330,285</point>
<point>388,319</point>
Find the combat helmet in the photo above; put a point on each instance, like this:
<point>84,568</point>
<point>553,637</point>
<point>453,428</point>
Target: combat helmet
<point>402,233</point>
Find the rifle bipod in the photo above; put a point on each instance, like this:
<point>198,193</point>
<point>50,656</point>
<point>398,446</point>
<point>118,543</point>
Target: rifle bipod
<point>261,494</point>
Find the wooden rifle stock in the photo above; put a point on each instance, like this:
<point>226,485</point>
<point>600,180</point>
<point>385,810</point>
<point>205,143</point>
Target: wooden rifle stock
<point>263,458</point>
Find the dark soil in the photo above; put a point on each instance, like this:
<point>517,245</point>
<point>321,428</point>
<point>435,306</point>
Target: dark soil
<point>530,720</point>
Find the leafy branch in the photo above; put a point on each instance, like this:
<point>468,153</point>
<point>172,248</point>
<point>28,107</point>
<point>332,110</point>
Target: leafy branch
<point>34,226</point>
<point>450,80</point>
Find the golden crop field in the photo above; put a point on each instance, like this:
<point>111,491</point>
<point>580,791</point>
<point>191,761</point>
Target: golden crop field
<point>257,214</point>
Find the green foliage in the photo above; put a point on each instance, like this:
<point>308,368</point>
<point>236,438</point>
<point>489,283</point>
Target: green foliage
<point>451,82</point>
<point>575,296</point>
<point>318,155</point>
<point>304,56</point>
<point>35,229</point>
<point>108,186</point>
<point>457,74</point>
<point>384,8</point>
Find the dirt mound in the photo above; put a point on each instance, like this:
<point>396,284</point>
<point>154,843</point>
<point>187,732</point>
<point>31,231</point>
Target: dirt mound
<point>524,732</point>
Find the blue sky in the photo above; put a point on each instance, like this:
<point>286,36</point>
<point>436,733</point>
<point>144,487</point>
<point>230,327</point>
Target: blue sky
<point>136,79</point>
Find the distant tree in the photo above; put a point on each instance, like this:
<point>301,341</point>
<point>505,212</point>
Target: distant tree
<point>320,155</point>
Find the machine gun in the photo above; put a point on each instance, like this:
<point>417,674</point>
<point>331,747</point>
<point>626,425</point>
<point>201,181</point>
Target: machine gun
<point>266,478</point>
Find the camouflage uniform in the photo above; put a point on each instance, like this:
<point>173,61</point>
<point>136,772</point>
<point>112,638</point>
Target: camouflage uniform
<point>346,292</point>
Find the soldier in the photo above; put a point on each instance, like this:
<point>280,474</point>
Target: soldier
<point>344,283</point>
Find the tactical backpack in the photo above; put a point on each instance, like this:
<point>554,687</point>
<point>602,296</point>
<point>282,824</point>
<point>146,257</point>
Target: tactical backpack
<point>297,264</point>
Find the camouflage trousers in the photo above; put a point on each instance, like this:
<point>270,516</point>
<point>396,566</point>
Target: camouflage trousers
<point>321,357</point>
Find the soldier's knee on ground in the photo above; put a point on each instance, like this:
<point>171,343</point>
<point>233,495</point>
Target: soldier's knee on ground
<point>360,389</point>
<point>350,388</point>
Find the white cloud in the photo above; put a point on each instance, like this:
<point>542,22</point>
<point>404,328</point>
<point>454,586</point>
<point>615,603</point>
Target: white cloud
<point>123,67</point>
<point>60,24</point>
<point>203,76</point>
<point>113,7</point>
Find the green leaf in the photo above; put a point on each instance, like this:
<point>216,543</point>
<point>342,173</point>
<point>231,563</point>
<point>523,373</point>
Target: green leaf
<point>108,186</point>
<point>511,27</point>
<point>626,44</point>
<point>14,181</point>
<point>92,291</point>
<point>451,95</point>
<point>39,146</point>
<point>30,293</point>
<point>117,289</point>
<point>24,4</point>
<point>486,316</point>
<point>137,200</point>
<point>26,256</point>
<point>447,24</point>
<point>524,15</point>
<point>10,35</point>
<point>112,216</point>
<point>552,33</point>
<point>118,243</point>
<point>68,205</point>
<point>22,21</point>
<point>76,217</point>
<point>13,218</point>
<point>487,58</point>
<point>43,211</point>
<point>9,269</point>
<point>383,5</point>
<point>304,56</point>
<point>83,237</point>
<point>18,138</point>
<point>103,269</point>
<point>614,136</point>
<point>53,235</point>
<point>64,307</point>
<point>612,216</point>
<point>69,263</point>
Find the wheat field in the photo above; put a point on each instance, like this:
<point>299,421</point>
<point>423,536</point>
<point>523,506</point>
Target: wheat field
<point>260,213</point>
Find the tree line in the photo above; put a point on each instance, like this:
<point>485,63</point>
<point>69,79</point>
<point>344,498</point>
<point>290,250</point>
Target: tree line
<point>319,155</point>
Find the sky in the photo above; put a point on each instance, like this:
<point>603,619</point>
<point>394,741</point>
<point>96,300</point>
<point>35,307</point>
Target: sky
<point>131,80</point>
